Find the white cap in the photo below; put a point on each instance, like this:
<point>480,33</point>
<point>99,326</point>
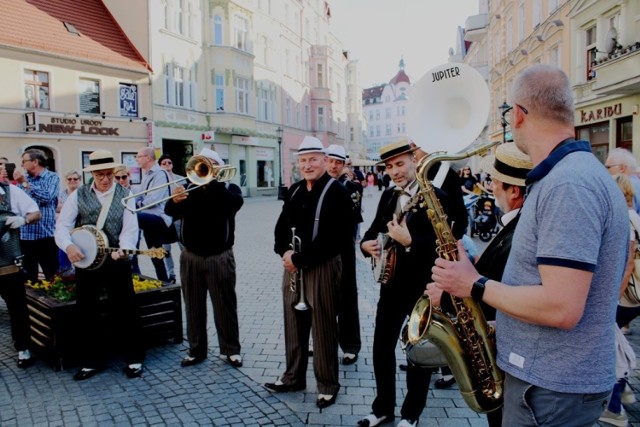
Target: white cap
<point>337,152</point>
<point>212,155</point>
<point>311,144</point>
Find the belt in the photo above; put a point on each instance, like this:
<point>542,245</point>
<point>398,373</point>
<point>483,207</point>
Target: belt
<point>9,269</point>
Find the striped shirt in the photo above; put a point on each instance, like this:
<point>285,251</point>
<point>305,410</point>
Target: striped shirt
<point>43,189</point>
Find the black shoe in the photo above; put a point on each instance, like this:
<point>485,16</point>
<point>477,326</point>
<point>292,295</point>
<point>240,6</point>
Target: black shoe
<point>373,420</point>
<point>442,383</point>
<point>85,374</point>
<point>190,361</point>
<point>236,362</point>
<point>349,359</point>
<point>325,403</point>
<point>133,371</point>
<point>25,359</point>
<point>403,367</point>
<point>284,388</point>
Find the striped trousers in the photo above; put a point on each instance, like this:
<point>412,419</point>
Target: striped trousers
<point>321,289</point>
<point>217,275</point>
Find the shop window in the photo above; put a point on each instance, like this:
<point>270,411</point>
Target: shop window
<point>265,174</point>
<point>36,89</point>
<point>625,133</point>
<point>598,137</point>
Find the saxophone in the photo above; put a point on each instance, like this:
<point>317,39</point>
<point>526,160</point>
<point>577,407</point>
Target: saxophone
<point>465,339</point>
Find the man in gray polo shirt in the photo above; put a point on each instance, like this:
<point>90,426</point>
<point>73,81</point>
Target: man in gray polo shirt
<point>557,299</point>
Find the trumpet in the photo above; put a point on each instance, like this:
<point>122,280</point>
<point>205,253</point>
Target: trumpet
<point>200,170</point>
<point>296,284</point>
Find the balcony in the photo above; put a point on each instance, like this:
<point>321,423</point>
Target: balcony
<point>476,27</point>
<point>617,74</point>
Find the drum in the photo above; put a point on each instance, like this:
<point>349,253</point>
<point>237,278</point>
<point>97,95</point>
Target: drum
<point>92,243</point>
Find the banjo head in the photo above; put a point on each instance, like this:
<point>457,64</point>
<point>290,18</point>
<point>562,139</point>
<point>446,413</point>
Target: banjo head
<point>90,240</point>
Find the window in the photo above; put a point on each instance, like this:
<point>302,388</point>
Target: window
<point>320,71</point>
<point>377,130</point>
<point>387,130</point>
<point>180,85</point>
<point>287,111</point>
<point>521,22</point>
<point>89,96</point>
<point>377,114</point>
<point>537,13</point>
<point>242,95</point>
<point>219,80</point>
<point>265,103</point>
<point>36,89</point>
<point>371,131</point>
<point>307,117</point>
<point>321,124</point>
<point>591,52</point>
<point>351,134</point>
<point>509,34</point>
<point>241,28</point>
<point>217,30</point>
<point>178,17</point>
<point>370,115</point>
<point>387,113</point>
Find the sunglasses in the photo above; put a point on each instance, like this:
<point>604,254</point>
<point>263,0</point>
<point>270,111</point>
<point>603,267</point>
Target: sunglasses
<point>73,179</point>
<point>167,162</point>
<point>119,177</point>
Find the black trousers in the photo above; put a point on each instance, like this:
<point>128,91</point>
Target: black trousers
<point>13,293</point>
<point>215,274</point>
<point>113,278</point>
<point>348,313</point>
<point>155,231</point>
<point>394,306</point>
<point>43,252</point>
<point>321,288</point>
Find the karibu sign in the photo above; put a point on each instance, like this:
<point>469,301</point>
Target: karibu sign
<point>81,126</point>
<point>603,113</point>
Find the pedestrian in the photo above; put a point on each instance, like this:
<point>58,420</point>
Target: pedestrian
<point>152,220</point>
<point>72,181</point>
<point>167,164</point>
<point>561,281</point>
<point>348,313</point>
<point>99,204</point>
<point>621,160</point>
<point>414,243</point>
<point>36,240</point>
<point>17,209</point>
<point>207,263</point>
<point>313,213</point>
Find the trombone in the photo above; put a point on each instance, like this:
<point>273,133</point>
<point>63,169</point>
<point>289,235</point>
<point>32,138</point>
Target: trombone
<point>200,170</point>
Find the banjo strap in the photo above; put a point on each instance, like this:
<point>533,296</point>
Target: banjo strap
<point>105,210</point>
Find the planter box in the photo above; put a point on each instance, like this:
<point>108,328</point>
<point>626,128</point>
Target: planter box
<point>53,323</point>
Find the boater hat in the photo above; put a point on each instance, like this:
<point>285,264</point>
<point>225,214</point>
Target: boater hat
<point>394,149</point>
<point>100,160</point>
<point>210,154</point>
<point>311,144</point>
<point>508,164</point>
<point>337,152</point>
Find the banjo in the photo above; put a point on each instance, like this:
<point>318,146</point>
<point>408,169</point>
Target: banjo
<point>93,243</point>
<point>383,265</point>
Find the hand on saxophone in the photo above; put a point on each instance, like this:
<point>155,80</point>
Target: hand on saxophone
<point>179,194</point>
<point>398,231</point>
<point>455,277</point>
<point>287,263</point>
<point>434,293</point>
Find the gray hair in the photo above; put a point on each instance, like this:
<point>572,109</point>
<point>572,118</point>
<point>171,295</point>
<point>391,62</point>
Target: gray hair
<point>149,151</point>
<point>622,156</point>
<point>69,173</point>
<point>545,90</point>
<point>36,154</point>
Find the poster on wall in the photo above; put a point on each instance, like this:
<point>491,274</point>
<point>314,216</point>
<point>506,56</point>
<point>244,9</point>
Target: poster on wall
<point>128,100</point>
<point>129,160</point>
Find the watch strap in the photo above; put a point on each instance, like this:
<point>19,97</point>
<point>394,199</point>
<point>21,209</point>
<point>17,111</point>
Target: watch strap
<point>477,290</point>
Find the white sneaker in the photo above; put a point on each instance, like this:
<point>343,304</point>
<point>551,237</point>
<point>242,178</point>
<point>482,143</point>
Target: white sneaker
<point>619,420</point>
<point>628,395</point>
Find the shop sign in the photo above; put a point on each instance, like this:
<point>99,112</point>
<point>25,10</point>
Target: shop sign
<point>208,136</point>
<point>597,114</point>
<point>243,140</point>
<point>82,126</point>
<point>264,153</point>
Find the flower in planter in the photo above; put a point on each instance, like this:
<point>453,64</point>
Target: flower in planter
<point>63,287</point>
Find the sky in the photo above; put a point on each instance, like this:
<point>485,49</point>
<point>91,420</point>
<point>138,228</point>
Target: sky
<point>378,33</point>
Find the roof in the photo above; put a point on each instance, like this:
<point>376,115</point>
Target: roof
<point>401,76</point>
<point>372,92</point>
<point>39,25</point>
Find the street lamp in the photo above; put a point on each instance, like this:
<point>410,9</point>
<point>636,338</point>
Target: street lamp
<point>504,108</point>
<point>282,190</point>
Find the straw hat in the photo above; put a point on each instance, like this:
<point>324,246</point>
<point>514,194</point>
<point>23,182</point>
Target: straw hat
<point>509,164</point>
<point>337,152</point>
<point>394,149</point>
<point>311,144</point>
<point>210,154</point>
<point>100,160</point>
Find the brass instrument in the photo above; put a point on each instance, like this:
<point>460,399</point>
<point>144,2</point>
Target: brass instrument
<point>457,112</point>
<point>296,284</point>
<point>200,170</point>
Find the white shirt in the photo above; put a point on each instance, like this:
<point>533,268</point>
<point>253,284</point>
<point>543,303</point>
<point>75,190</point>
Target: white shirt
<point>506,218</point>
<point>21,203</point>
<point>67,220</point>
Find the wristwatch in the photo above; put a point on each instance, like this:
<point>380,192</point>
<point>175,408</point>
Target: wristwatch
<point>477,291</point>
